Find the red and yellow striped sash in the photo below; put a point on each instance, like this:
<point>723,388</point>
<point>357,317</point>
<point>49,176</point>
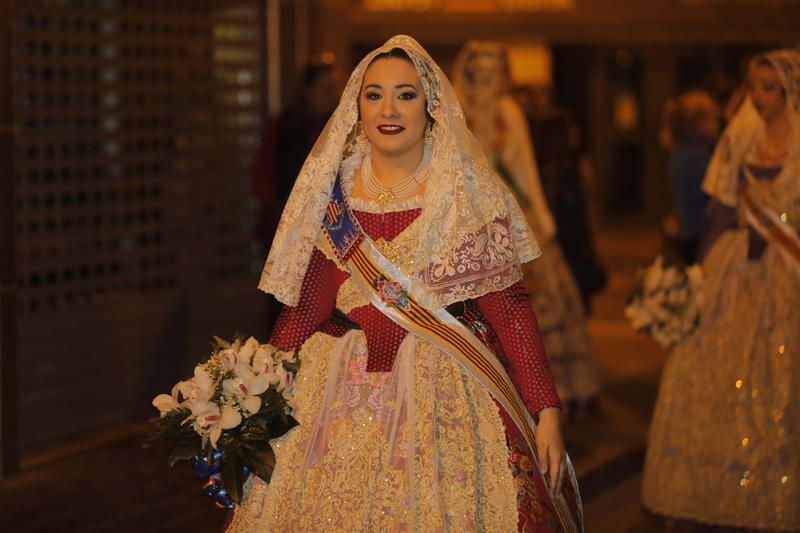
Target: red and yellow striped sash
<point>444,331</point>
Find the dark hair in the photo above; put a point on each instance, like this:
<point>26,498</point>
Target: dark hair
<point>394,53</point>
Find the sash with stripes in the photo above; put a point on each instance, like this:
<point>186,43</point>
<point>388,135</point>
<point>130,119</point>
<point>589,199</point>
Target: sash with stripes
<point>770,225</point>
<point>388,291</point>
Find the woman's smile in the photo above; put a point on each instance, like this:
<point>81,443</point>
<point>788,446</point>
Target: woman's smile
<point>390,129</point>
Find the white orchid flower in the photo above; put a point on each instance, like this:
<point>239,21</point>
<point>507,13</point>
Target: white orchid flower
<point>670,277</point>
<point>652,279</point>
<point>204,383</point>
<point>246,352</point>
<point>167,402</point>
<point>695,274</point>
<point>639,317</point>
<point>228,358</point>
<point>229,419</point>
<point>201,409</point>
<point>210,421</point>
<point>284,378</point>
<point>246,386</point>
<point>205,416</point>
<point>289,357</point>
<point>191,391</point>
<point>263,362</point>
<point>676,296</point>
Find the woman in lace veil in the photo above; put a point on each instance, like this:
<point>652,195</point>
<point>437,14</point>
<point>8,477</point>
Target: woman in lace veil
<point>481,79</point>
<point>394,434</point>
<point>725,435</point>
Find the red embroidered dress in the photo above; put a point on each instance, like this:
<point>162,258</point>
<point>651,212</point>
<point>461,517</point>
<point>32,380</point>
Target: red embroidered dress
<point>503,319</point>
<point>508,313</point>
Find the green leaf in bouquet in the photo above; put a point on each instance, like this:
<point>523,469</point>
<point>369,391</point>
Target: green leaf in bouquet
<point>291,422</point>
<point>186,450</point>
<point>262,463</point>
<point>221,343</point>
<point>255,429</point>
<point>271,401</point>
<point>292,366</point>
<point>281,423</point>
<point>232,471</point>
<point>170,427</point>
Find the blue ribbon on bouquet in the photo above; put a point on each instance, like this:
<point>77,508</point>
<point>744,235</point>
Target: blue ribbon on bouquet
<point>213,486</point>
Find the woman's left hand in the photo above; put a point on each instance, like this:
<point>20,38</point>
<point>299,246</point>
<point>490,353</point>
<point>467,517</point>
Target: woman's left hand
<point>550,444</point>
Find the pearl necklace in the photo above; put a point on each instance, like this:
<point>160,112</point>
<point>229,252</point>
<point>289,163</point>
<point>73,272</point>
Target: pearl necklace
<point>386,195</point>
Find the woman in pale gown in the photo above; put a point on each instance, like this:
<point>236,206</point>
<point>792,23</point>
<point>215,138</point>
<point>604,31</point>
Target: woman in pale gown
<point>399,252</point>
<point>480,78</point>
<point>724,444</point>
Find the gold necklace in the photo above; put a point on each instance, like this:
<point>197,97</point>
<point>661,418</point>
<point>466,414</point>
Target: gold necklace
<point>386,195</point>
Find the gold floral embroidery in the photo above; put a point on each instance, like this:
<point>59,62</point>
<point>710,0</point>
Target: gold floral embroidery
<point>419,448</point>
<point>350,296</point>
<point>324,246</point>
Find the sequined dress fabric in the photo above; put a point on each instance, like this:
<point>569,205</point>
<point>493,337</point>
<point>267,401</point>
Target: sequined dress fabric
<point>393,434</point>
<point>724,445</point>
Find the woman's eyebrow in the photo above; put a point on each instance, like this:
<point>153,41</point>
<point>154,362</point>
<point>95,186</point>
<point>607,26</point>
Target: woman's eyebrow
<point>404,85</point>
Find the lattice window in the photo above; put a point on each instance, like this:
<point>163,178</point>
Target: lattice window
<point>138,120</point>
<point>137,126</point>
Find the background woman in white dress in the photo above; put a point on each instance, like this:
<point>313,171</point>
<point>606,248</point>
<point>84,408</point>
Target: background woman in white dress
<point>724,443</point>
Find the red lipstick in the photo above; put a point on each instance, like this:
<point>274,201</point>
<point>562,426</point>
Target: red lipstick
<point>390,129</point>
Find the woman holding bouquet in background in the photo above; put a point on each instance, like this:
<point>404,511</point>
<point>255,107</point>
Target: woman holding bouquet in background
<point>724,444</point>
<point>398,225</point>
<point>481,79</point>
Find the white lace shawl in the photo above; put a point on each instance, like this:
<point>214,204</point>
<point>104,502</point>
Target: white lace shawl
<point>477,236</point>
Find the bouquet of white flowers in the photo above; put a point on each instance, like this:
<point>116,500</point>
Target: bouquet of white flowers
<point>226,414</point>
<point>666,302</point>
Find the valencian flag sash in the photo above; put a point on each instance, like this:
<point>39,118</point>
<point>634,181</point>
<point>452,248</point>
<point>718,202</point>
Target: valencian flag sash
<point>388,290</point>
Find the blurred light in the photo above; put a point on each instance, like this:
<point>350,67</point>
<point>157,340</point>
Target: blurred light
<point>530,64</point>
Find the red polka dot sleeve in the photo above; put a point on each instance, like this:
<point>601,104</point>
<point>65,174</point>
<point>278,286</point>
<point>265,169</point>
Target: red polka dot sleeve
<point>510,314</point>
<point>317,300</point>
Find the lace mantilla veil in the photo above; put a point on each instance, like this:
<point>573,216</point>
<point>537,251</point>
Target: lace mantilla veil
<point>475,237</point>
<point>746,128</point>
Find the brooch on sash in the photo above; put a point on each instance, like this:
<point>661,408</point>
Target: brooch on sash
<point>391,292</point>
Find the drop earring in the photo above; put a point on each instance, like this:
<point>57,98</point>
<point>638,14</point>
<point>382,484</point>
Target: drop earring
<point>361,138</point>
<point>428,135</point>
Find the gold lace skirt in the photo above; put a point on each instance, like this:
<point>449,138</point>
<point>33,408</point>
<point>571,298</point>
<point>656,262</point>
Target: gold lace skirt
<point>724,443</point>
<point>420,448</point>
